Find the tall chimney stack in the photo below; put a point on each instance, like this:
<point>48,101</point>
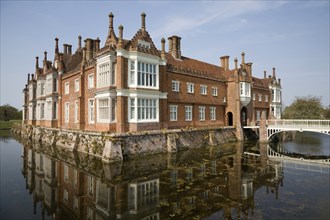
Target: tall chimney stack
<point>56,45</point>
<point>65,48</point>
<point>120,40</point>
<point>69,49</point>
<point>143,22</point>
<point>37,63</point>
<point>79,42</point>
<point>236,60</point>
<point>274,74</point>
<point>265,74</point>
<point>45,56</point>
<point>28,77</point>
<point>170,44</point>
<point>163,55</point>
<point>110,24</point>
<point>243,58</point>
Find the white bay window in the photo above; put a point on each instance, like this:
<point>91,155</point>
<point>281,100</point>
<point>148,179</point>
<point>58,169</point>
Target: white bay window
<point>106,109</point>
<point>143,110</point>
<point>143,74</point>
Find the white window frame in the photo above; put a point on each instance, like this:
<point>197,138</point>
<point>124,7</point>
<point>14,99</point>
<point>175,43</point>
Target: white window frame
<point>103,74</point>
<point>188,113</point>
<point>66,112</point>
<point>91,111</point>
<point>91,81</point>
<point>259,97</point>
<point>173,112</point>
<point>99,119</point>
<point>145,77</point>
<point>245,89</point>
<point>190,87</point>
<point>67,88</point>
<point>254,96</point>
<point>201,113</point>
<point>213,113</point>
<point>266,98</point>
<point>175,86</point>
<point>143,109</point>
<point>76,85</point>
<point>215,91</point>
<point>203,89</point>
<point>76,111</point>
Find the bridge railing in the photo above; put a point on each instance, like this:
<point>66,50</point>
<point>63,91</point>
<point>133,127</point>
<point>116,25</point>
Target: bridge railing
<point>299,123</point>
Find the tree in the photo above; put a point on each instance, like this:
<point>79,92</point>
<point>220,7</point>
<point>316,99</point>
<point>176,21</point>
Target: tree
<point>305,108</point>
<point>8,112</point>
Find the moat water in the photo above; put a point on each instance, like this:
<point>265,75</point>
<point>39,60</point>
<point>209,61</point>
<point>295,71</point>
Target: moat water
<point>231,181</point>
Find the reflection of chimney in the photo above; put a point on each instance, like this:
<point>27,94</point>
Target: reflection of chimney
<point>32,76</point>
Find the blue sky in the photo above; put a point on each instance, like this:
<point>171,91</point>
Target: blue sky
<point>292,36</point>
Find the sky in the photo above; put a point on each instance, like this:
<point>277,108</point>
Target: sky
<point>292,36</point>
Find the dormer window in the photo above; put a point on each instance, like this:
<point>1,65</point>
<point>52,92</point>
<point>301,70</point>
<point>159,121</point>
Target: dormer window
<point>144,44</point>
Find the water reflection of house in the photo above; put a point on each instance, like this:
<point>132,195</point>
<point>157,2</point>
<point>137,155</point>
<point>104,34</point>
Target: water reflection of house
<point>182,186</point>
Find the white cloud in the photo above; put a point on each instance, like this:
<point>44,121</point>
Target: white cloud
<point>208,12</point>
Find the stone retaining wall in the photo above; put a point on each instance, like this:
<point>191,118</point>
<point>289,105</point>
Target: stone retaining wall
<point>116,147</point>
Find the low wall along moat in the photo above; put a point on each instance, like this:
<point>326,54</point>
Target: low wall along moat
<point>116,147</point>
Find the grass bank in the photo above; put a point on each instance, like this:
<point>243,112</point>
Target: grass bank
<point>8,124</point>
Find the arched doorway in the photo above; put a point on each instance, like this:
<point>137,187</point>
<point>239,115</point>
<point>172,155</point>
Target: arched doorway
<point>230,118</point>
<point>244,116</point>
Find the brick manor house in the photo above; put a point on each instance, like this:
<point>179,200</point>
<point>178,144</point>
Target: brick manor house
<point>130,85</point>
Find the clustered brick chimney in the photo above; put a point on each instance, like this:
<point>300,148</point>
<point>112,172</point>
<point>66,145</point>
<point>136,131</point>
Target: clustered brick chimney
<point>163,55</point>
<point>174,46</point>
<point>120,38</point>
<point>249,68</point>
<point>224,60</point>
<point>67,49</point>
<point>92,46</point>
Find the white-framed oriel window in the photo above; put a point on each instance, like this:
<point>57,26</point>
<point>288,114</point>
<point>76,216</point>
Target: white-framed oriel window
<point>173,112</point>
<point>143,74</point>
<point>106,109</point>
<point>143,109</point>
<point>245,89</point>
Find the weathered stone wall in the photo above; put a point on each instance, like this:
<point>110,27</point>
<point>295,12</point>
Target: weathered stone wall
<point>116,147</point>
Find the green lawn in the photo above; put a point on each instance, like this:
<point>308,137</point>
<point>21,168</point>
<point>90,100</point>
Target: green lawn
<point>8,124</point>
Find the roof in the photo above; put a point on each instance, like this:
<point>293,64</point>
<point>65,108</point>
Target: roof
<point>193,67</point>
